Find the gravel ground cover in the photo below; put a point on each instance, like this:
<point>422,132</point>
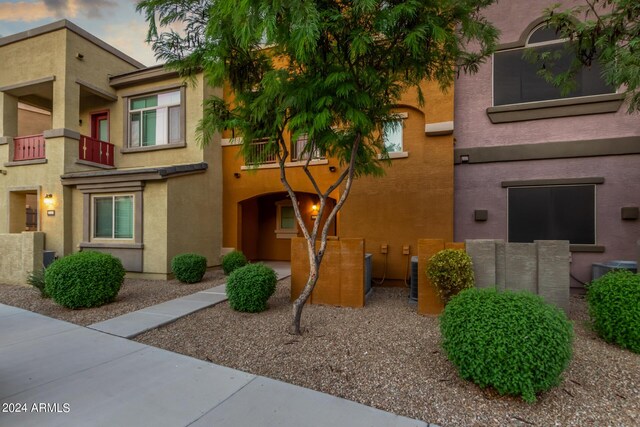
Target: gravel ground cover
<point>388,357</point>
<point>135,294</point>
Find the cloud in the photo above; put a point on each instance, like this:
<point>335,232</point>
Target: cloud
<point>88,8</point>
<point>129,37</point>
<point>35,11</point>
<point>24,12</point>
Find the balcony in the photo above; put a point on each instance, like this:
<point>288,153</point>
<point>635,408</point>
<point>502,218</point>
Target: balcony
<point>261,153</point>
<point>28,148</point>
<point>95,151</point>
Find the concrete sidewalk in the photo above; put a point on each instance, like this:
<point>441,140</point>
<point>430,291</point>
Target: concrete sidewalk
<point>135,323</point>
<point>60,374</point>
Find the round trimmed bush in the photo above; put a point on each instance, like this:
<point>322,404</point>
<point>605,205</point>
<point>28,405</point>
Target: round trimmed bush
<point>451,271</point>
<point>514,342</point>
<point>84,279</point>
<point>232,261</point>
<point>250,287</point>
<point>189,268</point>
<point>614,307</point>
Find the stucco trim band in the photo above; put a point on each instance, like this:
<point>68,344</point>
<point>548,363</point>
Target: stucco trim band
<point>6,140</point>
<point>146,75</point>
<point>61,133</point>
<point>549,150</point>
<point>97,91</point>
<point>596,104</point>
<point>26,84</point>
<point>438,129</point>
<point>92,164</point>
<point>559,181</point>
<point>25,163</point>
<point>129,176</point>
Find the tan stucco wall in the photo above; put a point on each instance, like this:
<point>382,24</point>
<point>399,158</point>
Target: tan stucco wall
<point>32,122</point>
<point>20,254</point>
<point>193,222</point>
<point>155,228</point>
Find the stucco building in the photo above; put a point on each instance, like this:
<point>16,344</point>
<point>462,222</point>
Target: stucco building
<point>103,152</point>
<point>532,164</point>
<point>99,152</point>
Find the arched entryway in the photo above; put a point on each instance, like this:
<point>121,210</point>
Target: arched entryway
<point>267,224</point>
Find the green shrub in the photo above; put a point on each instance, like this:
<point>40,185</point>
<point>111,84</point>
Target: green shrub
<point>249,287</point>
<point>84,279</point>
<point>36,279</point>
<point>614,307</point>
<point>232,261</point>
<point>189,268</point>
<point>451,271</point>
<point>514,342</point>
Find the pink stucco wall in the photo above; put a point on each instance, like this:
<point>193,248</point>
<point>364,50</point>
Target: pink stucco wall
<point>478,186</point>
<point>474,94</point>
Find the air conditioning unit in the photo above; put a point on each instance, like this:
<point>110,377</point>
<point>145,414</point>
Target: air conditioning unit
<point>600,269</point>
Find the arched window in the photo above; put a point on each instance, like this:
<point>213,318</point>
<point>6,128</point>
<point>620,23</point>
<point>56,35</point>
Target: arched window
<point>516,79</point>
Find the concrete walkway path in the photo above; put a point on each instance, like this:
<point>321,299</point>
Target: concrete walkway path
<point>135,323</point>
<point>55,373</point>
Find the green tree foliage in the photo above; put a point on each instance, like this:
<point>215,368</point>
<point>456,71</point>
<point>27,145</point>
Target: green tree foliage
<point>607,31</point>
<point>330,69</point>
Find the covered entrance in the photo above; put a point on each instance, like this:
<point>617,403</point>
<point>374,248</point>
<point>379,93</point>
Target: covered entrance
<point>24,214</point>
<point>267,224</point>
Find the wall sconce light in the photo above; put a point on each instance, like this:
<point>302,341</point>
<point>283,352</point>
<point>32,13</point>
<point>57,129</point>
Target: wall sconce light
<point>80,122</point>
<point>3,171</point>
<point>236,175</point>
<point>332,168</point>
<point>48,200</point>
<point>464,158</point>
<point>314,208</point>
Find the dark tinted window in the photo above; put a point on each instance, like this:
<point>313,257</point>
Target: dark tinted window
<point>515,79</point>
<point>552,213</point>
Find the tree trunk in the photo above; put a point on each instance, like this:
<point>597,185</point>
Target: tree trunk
<point>298,304</point>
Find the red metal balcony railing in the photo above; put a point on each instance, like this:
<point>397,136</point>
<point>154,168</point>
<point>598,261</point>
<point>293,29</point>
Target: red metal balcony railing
<point>96,151</point>
<point>28,148</point>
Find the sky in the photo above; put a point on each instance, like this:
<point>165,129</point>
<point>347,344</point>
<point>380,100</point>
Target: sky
<point>114,21</point>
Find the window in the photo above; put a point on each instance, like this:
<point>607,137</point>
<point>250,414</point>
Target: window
<point>561,212</point>
<point>286,224</point>
<point>515,79</point>
<point>298,149</point>
<point>155,120</point>
<point>113,217</point>
<point>393,136</point>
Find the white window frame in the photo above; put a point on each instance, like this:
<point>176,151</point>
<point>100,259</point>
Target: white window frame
<point>285,233</point>
<point>166,108</point>
<point>93,213</point>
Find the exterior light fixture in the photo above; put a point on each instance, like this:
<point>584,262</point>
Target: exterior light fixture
<point>236,174</point>
<point>314,208</point>
<point>332,168</point>
<point>48,200</point>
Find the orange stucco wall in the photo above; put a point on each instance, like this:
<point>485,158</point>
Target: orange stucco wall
<point>413,200</point>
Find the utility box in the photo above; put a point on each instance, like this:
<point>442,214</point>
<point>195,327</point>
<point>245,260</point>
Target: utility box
<point>48,257</point>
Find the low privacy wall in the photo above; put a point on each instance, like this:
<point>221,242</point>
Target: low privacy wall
<point>429,301</point>
<point>541,267</point>
<point>20,254</point>
<point>341,280</point>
